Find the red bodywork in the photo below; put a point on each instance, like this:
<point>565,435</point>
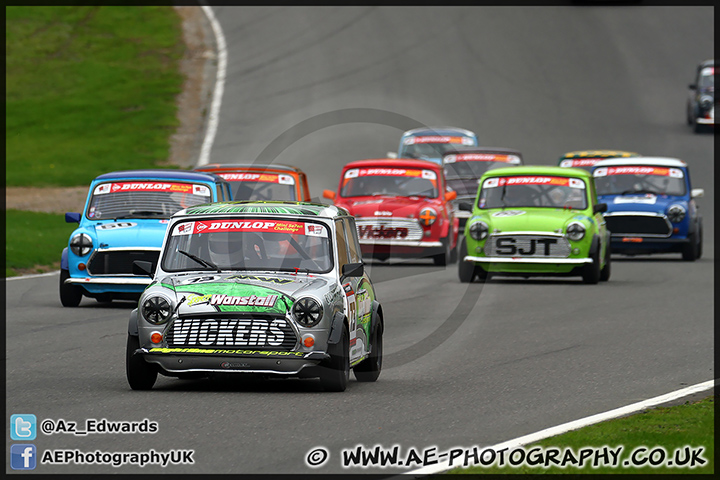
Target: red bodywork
<point>390,225</point>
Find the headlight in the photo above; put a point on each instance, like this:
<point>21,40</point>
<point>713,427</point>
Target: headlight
<point>479,230</point>
<point>81,244</point>
<point>427,216</point>
<point>307,312</point>
<point>156,309</point>
<point>706,102</point>
<point>676,213</point>
<point>576,231</point>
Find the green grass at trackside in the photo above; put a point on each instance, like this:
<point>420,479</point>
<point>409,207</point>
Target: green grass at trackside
<point>34,239</point>
<point>690,424</point>
<point>88,90</point>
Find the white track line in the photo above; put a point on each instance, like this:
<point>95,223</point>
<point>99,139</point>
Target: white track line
<point>214,116</point>
<point>23,277</point>
<point>583,422</point>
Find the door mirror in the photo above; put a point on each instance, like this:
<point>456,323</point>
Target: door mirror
<point>697,192</point>
<point>692,86</point>
<point>329,194</point>
<point>600,208</point>
<point>352,270</point>
<point>141,267</point>
<point>465,206</point>
<point>72,217</point>
<point>452,195</point>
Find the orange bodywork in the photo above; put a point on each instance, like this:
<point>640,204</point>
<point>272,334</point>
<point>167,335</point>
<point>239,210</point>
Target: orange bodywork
<point>262,182</point>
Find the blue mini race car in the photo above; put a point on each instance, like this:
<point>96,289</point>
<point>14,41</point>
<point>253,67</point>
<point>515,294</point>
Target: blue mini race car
<point>431,143</point>
<point>650,206</point>
<point>125,218</point>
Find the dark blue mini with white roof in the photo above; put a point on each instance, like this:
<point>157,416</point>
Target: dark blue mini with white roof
<point>431,143</point>
<point>651,206</point>
<point>125,217</point>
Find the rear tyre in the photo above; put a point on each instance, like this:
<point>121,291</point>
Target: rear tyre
<point>70,295</point>
<point>591,271</point>
<point>605,272</point>
<point>466,270</point>
<point>140,374</point>
<point>369,369</point>
<point>335,372</point>
<point>690,249</point>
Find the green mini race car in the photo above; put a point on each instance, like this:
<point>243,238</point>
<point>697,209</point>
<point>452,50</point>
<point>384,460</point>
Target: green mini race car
<point>535,221</point>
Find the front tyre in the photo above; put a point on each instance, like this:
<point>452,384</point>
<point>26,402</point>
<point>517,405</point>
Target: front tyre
<point>605,272</point>
<point>369,369</point>
<point>335,372</point>
<point>140,374</point>
<point>591,271</point>
<point>442,259</point>
<point>70,295</point>
<point>690,250</point>
<point>466,270</point>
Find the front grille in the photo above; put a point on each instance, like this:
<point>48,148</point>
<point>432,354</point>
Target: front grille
<point>638,225</point>
<point>378,228</point>
<point>119,262</point>
<point>527,246</point>
<point>257,331</point>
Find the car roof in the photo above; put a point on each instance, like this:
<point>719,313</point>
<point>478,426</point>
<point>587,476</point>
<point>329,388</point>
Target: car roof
<point>164,174</point>
<point>469,149</point>
<point>598,153</point>
<point>245,166</point>
<point>651,161</point>
<point>438,131</point>
<point>279,208</point>
<point>394,162</point>
<point>706,63</point>
<point>538,170</point>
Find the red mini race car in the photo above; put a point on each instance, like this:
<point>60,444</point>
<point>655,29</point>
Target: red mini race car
<point>402,208</point>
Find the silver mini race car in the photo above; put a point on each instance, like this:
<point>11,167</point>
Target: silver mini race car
<point>271,288</point>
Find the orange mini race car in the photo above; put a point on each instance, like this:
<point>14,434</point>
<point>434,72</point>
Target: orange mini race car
<point>262,182</point>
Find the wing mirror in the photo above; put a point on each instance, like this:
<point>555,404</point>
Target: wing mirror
<point>600,208</point>
<point>692,86</point>
<point>352,270</point>
<point>72,217</point>
<point>329,194</point>
<point>697,192</point>
<point>451,195</point>
<point>141,267</point>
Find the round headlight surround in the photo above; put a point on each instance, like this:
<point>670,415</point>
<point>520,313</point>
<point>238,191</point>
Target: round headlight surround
<point>676,213</point>
<point>706,101</point>
<point>156,309</point>
<point>479,230</point>
<point>427,216</point>
<point>575,231</point>
<point>307,311</point>
<point>81,244</point>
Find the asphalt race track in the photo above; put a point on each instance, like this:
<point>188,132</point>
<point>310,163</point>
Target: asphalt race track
<point>465,365</point>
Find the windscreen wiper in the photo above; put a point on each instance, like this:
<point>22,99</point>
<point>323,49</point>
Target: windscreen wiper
<point>201,261</point>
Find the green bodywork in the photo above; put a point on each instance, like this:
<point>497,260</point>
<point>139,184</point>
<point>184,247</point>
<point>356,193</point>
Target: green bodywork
<point>540,220</point>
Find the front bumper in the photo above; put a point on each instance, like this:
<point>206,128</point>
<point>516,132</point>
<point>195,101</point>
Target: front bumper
<point>176,361</point>
<point>111,284</point>
<point>529,260</point>
<point>402,243</point>
<point>632,245</point>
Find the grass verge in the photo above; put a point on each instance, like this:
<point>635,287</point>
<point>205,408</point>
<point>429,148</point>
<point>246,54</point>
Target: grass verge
<point>34,241</point>
<point>677,431</point>
<point>89,90</point>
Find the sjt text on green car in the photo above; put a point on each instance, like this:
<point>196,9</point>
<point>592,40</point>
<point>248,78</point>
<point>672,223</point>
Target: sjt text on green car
<point>535,220</point>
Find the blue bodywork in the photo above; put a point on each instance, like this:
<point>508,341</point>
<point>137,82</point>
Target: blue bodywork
<point>133,233</point>
<point>468,139</point>
<point>654,205</point>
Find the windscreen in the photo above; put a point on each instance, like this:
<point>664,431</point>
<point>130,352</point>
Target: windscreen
<point>432,146</point>
<point>628,180</point>
<point>533,191</point>
<point>707,77</point>
<point>248,244</point>
<point>144,199</point>
<point>392,181</point>
<point>261,186</point>
<point>473,165</point>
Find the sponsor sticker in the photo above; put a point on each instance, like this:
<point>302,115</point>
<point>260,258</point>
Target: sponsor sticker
<point>228,332</point>
<point>484,157</point>
<point>301,228</point>
<point>258,177</point>
<point>115,226</point>
<point>438,139</point>
<point>509,213</point>
<point>639,170</point>
<point>152,187</point>
<point>707,71</point>
<point>222,299</point>
<point>534,180</point>
<point>580,162</point>
<point>648,199</point>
